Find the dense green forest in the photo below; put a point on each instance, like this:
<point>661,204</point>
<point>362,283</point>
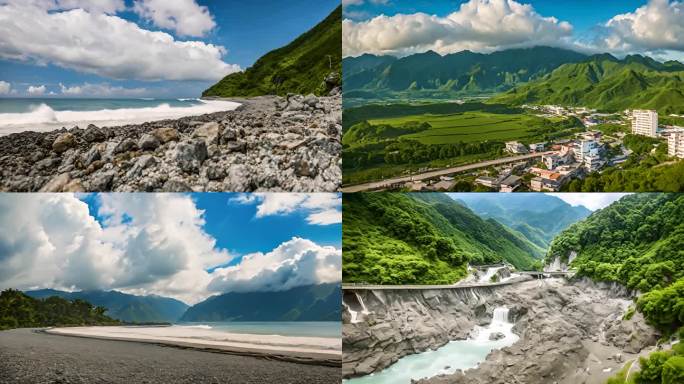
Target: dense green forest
<point>320,302</point>
<point>299,67</point>
<point>123,306</point>
<point>395,238</point>
<point>638,242</point>
<point>660,367</point>
<point>18,310</point>
<point>607,84</point>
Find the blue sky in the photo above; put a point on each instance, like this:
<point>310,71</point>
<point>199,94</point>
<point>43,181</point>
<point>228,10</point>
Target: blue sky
<point>235,225</point>
<point>186,246</point>
<point>652,27</point>
<point>245,30</point>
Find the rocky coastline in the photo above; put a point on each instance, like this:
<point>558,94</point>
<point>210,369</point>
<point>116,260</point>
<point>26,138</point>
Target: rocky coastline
<point>570,332</point>
<point>269,143</point>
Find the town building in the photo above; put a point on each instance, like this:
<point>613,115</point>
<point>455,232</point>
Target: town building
<point>487,181</point>
<point>509,184</point>
<point>537,147</point>
<point>645,122</point>
<point>515,147</point>
<point>675,143</point>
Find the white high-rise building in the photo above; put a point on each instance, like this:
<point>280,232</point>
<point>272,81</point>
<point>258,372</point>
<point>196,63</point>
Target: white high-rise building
<point>675,144</point>
<point>645,122</point>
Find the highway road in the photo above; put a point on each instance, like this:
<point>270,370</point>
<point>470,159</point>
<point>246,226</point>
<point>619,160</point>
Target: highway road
<point>437,173</point>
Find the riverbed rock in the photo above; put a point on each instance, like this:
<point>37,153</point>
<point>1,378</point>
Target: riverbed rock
<point>496,336</point>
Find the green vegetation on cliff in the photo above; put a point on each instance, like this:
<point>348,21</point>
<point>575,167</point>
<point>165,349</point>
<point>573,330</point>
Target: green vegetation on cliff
<point>638,242</point>
<point>395,238</point>
<point>299,67</point>
<point>18,310</point>
<point>607,84</point>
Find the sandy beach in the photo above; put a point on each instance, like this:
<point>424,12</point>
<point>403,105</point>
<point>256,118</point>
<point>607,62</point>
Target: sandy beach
<point>315,350</point>
<point>33,356</point>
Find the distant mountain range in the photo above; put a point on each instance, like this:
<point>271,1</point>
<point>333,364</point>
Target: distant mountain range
<point>463,72</point>
<point>538,216</point>
<point>609,84</point>
<point>299,67</point>
<point>533,75</point>
<point>320,302</point>
<point>122,306</point>
<point>306,303</point>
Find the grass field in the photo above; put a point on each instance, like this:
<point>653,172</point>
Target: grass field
<point>467,127</point>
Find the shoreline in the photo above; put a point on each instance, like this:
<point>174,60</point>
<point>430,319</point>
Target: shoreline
<point>28,355</point>
<point>297,354</point>
<point>268,143</point>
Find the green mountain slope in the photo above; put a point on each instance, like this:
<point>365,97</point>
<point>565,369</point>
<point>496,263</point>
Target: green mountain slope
<point>299,67</point>
<point>321,302</point>
<point>608,84</point>
<point>125,307</point>
<point>538,216</point>
<point>638,242</point>
<point>19,310</point>
<point>463,72</point>
<point>395,238</point>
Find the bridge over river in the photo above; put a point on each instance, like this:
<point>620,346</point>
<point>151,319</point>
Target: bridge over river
<point>519,279</point>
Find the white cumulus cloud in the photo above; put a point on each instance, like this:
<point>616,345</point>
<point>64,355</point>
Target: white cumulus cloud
<point>319,208</point>
<point>141,244</point>
<point>5,88</point>
<point>100,90</point>
<point>658,25</point>
<point>36,90</point>
<point>105,45</point>
<point>478,25</point>
<point>185,17</point>
<point>294,263</point>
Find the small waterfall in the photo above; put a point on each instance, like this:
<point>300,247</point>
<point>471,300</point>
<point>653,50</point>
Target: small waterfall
<point>501,315</point>
<point>488,275</point>
<point>364,310</point>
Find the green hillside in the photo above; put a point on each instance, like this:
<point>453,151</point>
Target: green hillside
<point>299,67</point>
<point>122,306</point>
<point>18,310</point>
<point>637,242</point>
<point>432,75</point>
<point>395,238</point>
<point>607,84</point>
<point>321,302</point>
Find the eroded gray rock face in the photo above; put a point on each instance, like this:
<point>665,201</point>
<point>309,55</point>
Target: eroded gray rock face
<point>569,332</point>
<point>268,144</point>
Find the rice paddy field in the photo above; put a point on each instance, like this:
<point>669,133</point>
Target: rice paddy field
<point>466,127</point>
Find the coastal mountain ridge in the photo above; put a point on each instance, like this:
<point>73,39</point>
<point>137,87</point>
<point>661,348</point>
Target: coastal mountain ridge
<point>309,64</point>
<point>319,302</point>
<point>122,306</point>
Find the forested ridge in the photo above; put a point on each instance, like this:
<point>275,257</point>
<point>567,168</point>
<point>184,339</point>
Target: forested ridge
<point>395,238</point>
<point>18,310</point>
<point>638,242</point>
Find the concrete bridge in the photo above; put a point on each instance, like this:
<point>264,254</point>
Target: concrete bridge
<point>520,279</point>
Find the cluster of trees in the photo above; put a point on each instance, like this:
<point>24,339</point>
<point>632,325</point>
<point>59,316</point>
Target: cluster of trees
<point>18,310</point>
<point>639,243</point>
<point>660,367</point>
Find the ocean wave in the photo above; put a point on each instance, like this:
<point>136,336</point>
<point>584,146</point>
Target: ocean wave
<point>44,118</point>
<point>199,326</point>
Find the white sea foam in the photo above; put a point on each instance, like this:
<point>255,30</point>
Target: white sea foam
<point>43,118</point>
